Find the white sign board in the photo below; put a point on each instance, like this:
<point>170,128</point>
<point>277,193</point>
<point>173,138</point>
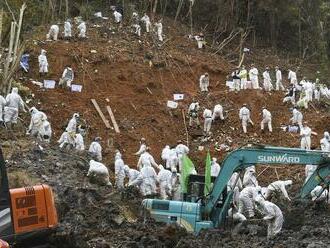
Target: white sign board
<point>172,104</point>
<point>178,97</point>
<point>76,88</point>
<point>49,84</point>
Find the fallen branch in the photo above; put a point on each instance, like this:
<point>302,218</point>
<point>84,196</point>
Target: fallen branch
<point>113,120</point>
<point>97,107</point>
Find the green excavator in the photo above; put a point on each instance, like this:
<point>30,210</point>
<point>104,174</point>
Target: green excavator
<point>211,211</point>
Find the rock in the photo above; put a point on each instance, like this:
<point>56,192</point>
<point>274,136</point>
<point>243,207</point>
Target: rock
<point>118,219</point>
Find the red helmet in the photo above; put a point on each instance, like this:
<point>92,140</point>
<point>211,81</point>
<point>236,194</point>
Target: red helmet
<point>3,244</point>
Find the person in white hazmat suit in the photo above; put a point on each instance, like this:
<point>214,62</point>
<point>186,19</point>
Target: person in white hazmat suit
<point>2,107</point>
<point>246,200</point>
<point>98,173</point>
<point>215,168</point>
<point>207,115</point>
<point>146,20</point>
<point>217,112</point>
<point>277,187</point>
<point>243,74</point>
<point>95,149</point>
<point>235,184</point>
<point>118,16</point>
<point>164,180</point>
<point>67,138</point>
<point>267,80</point>
<point>305,134</point>
<point>43,62</point>
<point>119,171</point>
<point>253,75</point>
<point>13,103</point>
<point>67,77</point>
<point>53,32</point>
<point>67,29</point>
<point>193,113</point>
<point>35,128</point>
<point>79,142</point>
<point>236,79</point>
<point>159,30</point>
<point>146,159</point>
<point>297,117</point>
<point>149,178</point>
<point>82,30</point>
<point>173,160</point>
<point>181,150</point>
<point>134,177</point>
<point>292,76</point>
<point>244,116</point>
<point>266,119</point>
<point>176,186</point>
<point>143,147</point>
<point>166,154</point>
<point>319,194</point>
<point>279,79</point>
<point>272,215</point>
<point>325,142</point>
<point>204,82</point>
<point>309,170</point>
<point>308,87</point>
<point>250,178</point>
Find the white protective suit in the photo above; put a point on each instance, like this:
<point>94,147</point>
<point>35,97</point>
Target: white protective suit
<point>237,216</point>
<point>217,112</point>
<point>72,125</point>
<point>166,154</point>
<point>159,30</point>
<point>215,168</point>
<point>79,142</point>
<point>279,84</point>
<point>99,172</point>
<point>53,32</point>
<point>325,142</point>
<point>244,116</point>
<point>95,149</point>
<point>36,124</point>
<point>193,113</point>
<point>118,16</point>
<point>308,87</point>
<point>235,183</point>
<point>181,150</point>
<point>207,115</point>
<point>82,30</point>
<point>246,201</point>
<point>266,119</point>
<point>145,160</point>
<point>2,107</point>
<point>267,81</point>
<point>14,102</point>
<point>297,117</point>
<point>309,170</point>
<point>305,134</point>
<point>67,29</point>
<point>292,76</point>
<point>176,187</point>
<point>249,178</point>
<point>149,177</point>
<point>253,74</point>
<point>134,176</point>
<point>164,180</point>
<point>272,215</point>
<point>46,131</point>
<point>67,77</point>
<point>119,171</point>
<point>317,196</point>
<point>243,74</point>
<point>173,160</point>
<point>142,149</point>
<point>277,187</point>
<point>147,22</point>
<point>204,83</point>
<point>43,62</point>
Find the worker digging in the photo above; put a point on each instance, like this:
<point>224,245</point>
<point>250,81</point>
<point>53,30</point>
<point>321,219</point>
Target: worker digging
<point>118,131</point>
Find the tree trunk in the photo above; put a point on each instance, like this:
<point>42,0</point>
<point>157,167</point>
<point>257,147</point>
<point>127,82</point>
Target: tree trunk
<point>155,7</point>
<point>66,8</point>
<point>191,18</point>
<point>21,14</point>
<point>1,18</point>
<point>178,10</point>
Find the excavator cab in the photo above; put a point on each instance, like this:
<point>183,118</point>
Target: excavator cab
<point>24,212</point>
<point>195,189</point>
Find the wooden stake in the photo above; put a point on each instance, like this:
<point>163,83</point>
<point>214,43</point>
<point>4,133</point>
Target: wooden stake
<point>149,91</point>
<point>185,126</point>
<point>113,120</point>
<point>106,122</point>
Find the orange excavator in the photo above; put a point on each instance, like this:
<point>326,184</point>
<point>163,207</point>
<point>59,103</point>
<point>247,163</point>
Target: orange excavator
<point>24,212</point>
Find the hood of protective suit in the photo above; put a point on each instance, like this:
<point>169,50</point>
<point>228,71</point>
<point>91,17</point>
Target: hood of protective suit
<point>326,134</point>
<point>126,168</point>
<point>288,182</point>
<point>259,200</point>
<point>75,115</point>
<point>264,191</point>
<point>118,155</point>
<point>161,167</point>
<point>33,110</point>
<point>14,90</point>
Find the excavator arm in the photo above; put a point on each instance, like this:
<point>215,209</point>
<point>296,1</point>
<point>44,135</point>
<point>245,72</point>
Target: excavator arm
<point>252,155</point>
